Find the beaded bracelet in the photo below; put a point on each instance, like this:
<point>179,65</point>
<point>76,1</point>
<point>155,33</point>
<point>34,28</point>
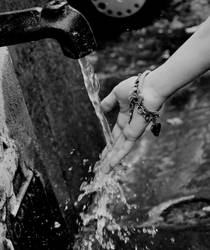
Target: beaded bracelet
<point>137,101</point>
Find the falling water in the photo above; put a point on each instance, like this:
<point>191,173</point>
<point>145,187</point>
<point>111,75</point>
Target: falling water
<point>98,220</point>
<point>92,86</point>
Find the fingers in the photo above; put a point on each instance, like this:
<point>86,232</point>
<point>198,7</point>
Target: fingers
<point>135,128</point>
<point>116,132</point>
<point>116,148</point>
<point>130,133</point>
<point>109,102</point>
<point>122,120</point>
<point>119,154</point>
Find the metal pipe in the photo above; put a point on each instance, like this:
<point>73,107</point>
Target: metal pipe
<point>56,20</point>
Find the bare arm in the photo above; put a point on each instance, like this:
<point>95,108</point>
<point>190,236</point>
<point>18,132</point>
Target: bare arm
<point>190,61</point>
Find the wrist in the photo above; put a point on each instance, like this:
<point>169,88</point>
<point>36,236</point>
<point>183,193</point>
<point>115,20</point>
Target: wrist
<point>153,99</point>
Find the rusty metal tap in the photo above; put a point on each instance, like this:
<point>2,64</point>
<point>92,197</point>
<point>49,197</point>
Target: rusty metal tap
<point>56,20</point>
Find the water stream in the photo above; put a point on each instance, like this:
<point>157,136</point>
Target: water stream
<point>98,222</point>
<point>92,86</point>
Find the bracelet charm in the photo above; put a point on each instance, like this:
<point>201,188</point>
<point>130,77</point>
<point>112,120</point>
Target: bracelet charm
<point>137,101</point>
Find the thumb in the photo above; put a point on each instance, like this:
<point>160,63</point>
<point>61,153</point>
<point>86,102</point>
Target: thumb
<point>109,102</point>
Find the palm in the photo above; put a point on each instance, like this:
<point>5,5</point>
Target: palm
<point>124,133</point>
<point>121,93</point>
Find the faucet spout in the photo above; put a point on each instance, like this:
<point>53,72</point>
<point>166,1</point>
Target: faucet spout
<point>56,20</point>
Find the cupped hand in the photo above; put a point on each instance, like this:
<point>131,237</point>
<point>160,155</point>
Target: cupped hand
<point>124,133</point>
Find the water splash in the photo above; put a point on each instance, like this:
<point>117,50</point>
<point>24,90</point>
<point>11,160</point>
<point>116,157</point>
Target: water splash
<point>98,222</point>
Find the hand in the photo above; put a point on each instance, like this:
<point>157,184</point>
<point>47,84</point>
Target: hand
<point>126,134</point>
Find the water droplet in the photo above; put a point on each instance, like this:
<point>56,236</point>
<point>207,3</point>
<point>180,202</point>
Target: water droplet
<point>172,240</point>
<point>57,224</point>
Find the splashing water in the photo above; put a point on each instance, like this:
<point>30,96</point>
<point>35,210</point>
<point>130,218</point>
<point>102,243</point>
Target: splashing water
<point>98,221</point>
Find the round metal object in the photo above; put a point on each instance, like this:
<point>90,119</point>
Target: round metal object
<point>118,8</point>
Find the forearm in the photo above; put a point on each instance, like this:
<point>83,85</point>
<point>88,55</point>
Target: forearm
<point>188,62</point>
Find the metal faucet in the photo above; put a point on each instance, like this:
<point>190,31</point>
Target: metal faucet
<point>56,20</point>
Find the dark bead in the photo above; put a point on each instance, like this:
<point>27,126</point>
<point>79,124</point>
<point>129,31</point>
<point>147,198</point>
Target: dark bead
<point>155,129</point>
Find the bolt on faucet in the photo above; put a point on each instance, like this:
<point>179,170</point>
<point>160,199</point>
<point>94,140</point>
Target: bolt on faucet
<point>56,20</point>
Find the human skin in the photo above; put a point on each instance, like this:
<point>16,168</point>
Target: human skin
<point>190,61</point>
